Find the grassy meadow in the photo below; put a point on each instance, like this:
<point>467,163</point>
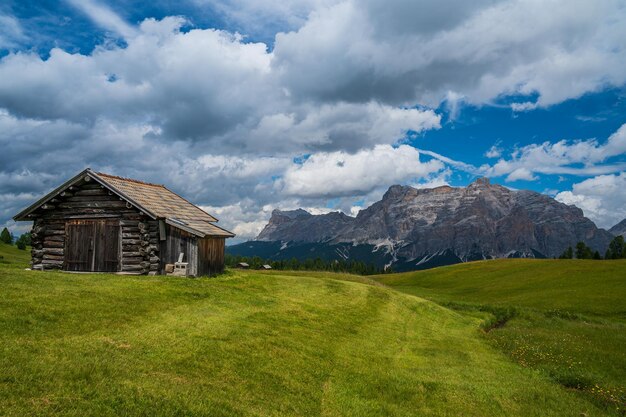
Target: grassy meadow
<point>251,343</point>
<point>566,318</point>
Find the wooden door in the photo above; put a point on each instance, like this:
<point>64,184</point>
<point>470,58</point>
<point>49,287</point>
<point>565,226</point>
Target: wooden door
<point>92,245</point>
<point>107,246</point>
<point>79,245</point>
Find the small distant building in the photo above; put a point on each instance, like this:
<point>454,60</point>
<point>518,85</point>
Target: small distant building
<point>266,267</point>
<point>243,265</point>
<point>97,222</point>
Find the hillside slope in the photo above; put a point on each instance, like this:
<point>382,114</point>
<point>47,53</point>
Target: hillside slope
<point>251,344</point>
<point>582,286</point>
<point>565,318</point>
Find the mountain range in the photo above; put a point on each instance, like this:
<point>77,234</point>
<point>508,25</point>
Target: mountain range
<point>413,228</point>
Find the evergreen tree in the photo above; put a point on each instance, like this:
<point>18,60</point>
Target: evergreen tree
<point>567,254</point>
<point>617,248</point>
<point>6,236</point>
<point>583,251</point>
<point>596,255</point>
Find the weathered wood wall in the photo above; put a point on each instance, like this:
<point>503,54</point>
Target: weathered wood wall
<point>211,256</point>
<point>178,241</point>
<point>91,201</point>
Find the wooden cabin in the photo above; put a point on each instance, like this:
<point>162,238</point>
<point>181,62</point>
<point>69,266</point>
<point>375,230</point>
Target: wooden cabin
<point>98,222</point>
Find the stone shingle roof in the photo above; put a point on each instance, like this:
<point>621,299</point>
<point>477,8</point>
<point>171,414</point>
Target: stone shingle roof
<point>166,204</point>
<point>154,199</point>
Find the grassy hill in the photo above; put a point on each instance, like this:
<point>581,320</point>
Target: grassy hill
<point>565,318</point>
<point>12,257</point>
<point>581,286</point>
<point>252,343</point>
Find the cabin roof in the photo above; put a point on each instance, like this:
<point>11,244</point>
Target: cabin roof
<point>155,200</point>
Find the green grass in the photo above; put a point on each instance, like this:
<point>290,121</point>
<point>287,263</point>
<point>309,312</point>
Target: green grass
<point>12,257</point>
<point>582,286</point>
<point>565,318</point>
<point>252,343</point>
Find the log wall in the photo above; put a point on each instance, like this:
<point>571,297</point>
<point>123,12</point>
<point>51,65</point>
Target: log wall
<point>91,201</point>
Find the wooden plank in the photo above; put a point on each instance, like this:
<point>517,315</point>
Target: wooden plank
<point>94,216</point>
<point>131,235</point>
<point>51,232</point>
<point>88,198</point>
<point>53,244</point>
<point>126,267</point>
<point>128,222</point>
<point>93,204</point>
<point>129,254</point>
<point>127,260</point>
<point>92,192</point>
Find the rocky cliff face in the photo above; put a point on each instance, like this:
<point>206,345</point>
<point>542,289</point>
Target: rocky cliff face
<point>619,229</point>
<point>480,221</point>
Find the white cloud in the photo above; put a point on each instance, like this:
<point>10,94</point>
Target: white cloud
<point>403,52</point>
<point>11,32</point>
<point>267,17</point>
<point>208,86</point>
<point>601,198</point>
<point>335,174</point>
<point>521,174</point>
<point>220,119</point>
<point>581,157</point>
<point>526,106</point>
<point>343,125</point>
<point>494,152</point>
<point>105,17</point>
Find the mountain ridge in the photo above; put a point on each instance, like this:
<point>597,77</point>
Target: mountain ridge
<point>413,227</point>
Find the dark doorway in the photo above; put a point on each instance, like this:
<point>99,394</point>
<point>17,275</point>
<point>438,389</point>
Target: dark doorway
<point>92,245</point>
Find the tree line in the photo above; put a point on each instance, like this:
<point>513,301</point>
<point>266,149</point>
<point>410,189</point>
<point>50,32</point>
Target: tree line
<point>21,242</point>
<point>616,250</point>
<point>310,264</point>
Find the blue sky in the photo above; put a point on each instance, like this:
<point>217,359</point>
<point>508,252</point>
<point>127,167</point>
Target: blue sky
<point>246,106</point>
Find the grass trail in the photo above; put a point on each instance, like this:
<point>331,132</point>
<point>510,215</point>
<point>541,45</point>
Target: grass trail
<point>251,344</point>
<point>566,318</point>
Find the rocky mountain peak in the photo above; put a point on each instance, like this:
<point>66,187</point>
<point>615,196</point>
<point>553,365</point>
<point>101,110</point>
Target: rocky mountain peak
<point>481,182</point>
<point>619,229</point>
<point>290,214</point>
<point>480,221</point>
<point>397,191</point>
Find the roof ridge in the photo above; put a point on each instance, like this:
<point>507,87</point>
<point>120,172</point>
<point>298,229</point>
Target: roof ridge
<point>129,179</point>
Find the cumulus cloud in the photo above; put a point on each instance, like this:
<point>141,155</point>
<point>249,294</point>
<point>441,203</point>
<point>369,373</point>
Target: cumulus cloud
<point>581,157</point>
<point>221,119</point>
<point>601,198</point>
<point>334,174</point>
<point>403,52</point>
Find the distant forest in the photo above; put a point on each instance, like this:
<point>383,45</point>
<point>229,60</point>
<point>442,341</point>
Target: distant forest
<point>317,264</point>
<point>616,250</point>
